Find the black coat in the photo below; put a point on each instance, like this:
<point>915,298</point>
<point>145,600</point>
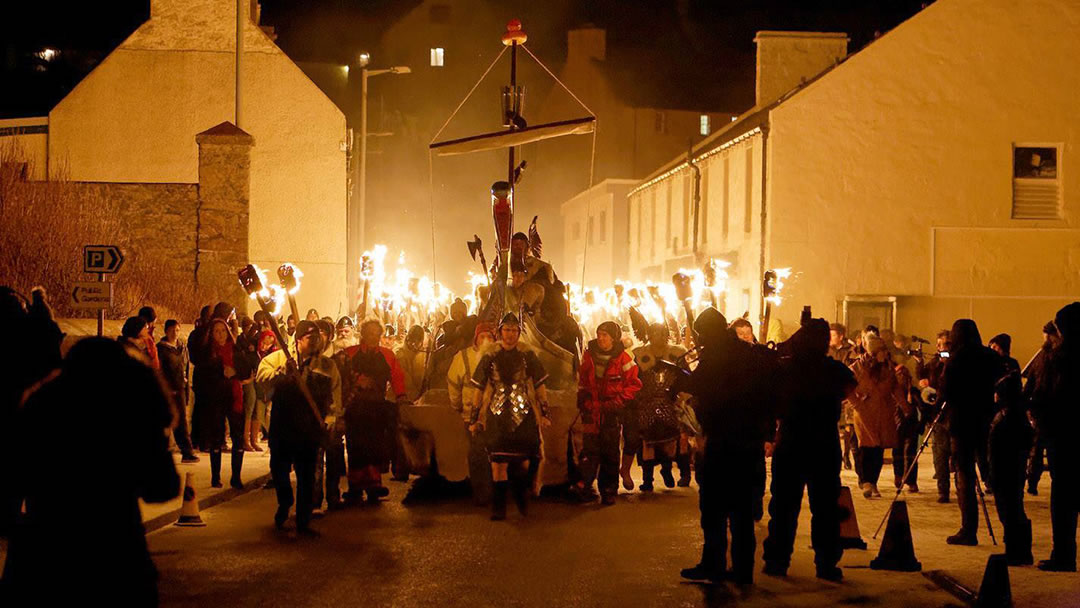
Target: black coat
<point>734,384</point>
<point>968,389</point>
<point>811,395</point>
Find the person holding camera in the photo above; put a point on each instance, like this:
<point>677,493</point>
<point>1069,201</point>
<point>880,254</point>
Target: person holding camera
<point>931,374</point>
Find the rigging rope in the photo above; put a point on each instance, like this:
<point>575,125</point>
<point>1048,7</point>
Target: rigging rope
<point>471,91</point>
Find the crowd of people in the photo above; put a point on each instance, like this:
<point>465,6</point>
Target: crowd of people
<point>326,397</point>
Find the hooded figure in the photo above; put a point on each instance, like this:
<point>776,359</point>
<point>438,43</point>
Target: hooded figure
<point>1060,419</point>
<point>100,392</point>
<point>607,381</point>
<point>807,452</point>
<point>734,385</point>
<point>967,393</point>
<point>880,394</point>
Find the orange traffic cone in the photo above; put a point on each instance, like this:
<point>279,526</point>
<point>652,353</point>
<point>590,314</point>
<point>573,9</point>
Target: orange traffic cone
<point>995,590</point>
<point>897,549</point>
<point>189,510</point>
<point>850,537</point>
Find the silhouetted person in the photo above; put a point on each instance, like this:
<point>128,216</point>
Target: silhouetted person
<point>1010,444</point>
<point>733,386</point>
<point>29,326</point>
<point>968,395</point>
<point>82,539</point>
<point>296,431</point>
<point>1035,375</point>
<point>1060,421</point>
<point>174,371</point>
<point>223,367</point>
<point>813,387</point>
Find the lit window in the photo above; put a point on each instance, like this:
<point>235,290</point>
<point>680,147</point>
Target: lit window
<point>437,57</point>
<point>706,128</point>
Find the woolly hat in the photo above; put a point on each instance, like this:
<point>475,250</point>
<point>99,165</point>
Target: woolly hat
<point>305,328</point>
<point>611,328</point>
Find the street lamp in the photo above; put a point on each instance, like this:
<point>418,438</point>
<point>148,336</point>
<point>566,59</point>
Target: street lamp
<point>358,214</point>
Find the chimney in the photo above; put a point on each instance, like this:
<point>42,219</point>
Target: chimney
<point>787,59</point>
<point>586,43</point>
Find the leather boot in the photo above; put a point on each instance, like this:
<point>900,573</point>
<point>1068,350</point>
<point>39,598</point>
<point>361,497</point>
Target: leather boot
<point>215,469</point>
<point>520,487</point>
<point>1018,548</point>
<point>237,465</point>
<point>498,501</point>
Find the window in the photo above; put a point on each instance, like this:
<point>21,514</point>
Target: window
<point>603,226</point>
<point>652,224</point>
<point>703,221</point>
<point>437,57</point>
<point>747,223</point>
<point>688,197</point>
<point>638,203</point>
<point>726,200</point>
<point>1036,183</point>
<point>660,122</point>
<point>577,230</point>
<point>705,127</point>
<point>667,223</point>
<point>590,234</point>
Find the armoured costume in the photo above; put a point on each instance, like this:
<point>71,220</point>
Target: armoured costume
<point>651,429</point>
<point>511,405</point>
<point>509,409</point>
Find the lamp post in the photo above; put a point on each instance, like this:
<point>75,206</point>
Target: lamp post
<point>358,215</point>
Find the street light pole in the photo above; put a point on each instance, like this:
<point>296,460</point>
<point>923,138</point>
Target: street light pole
<point>360,213</point>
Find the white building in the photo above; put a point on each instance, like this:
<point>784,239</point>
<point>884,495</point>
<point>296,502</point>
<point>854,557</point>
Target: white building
<point>135,116</point>
<point>929,177</point>
<point>596,225</point>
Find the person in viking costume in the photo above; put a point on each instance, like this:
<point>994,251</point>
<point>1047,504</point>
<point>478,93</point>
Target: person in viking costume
<point>511,406</point>
<point>651,428</point>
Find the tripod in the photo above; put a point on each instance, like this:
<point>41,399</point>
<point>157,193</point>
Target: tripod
<point>907,473</point>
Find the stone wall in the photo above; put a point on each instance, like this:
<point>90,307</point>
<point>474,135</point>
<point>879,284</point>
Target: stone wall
<point>156,217</point>
<point>191,234</point>
<point>224,203</point>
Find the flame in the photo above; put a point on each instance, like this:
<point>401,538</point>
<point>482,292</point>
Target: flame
<point>297,274</point>
<point>399,294</point>
<point>781,275</point>
<point>272,293</point>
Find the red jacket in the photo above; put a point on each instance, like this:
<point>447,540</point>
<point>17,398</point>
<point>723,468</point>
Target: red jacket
<point>610,392</point>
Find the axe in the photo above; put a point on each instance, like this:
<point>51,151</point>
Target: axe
<point>476,247</point>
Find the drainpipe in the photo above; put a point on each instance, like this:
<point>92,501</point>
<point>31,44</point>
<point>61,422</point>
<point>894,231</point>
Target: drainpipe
<point>241,14</point>
<point>764,218</point>
<point>697,197</point>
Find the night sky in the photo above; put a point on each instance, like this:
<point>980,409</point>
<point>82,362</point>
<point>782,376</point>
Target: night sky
<point>334,30</point>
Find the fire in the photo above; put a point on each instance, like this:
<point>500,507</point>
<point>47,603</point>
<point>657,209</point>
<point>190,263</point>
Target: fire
<point>782,274</point>
<point>400,295</point>
<point>271,292</point>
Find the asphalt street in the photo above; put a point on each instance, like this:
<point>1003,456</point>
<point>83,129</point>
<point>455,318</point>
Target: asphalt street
<point>449,554</point>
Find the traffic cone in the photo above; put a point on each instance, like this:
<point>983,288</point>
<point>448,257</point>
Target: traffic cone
<point>189,510</point>
<point>995,590</point>
<point>850,538</point>
<point>897,550</point>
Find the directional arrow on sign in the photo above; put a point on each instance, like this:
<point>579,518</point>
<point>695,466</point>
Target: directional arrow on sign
<point>97,295</point>
<point>104,259</point>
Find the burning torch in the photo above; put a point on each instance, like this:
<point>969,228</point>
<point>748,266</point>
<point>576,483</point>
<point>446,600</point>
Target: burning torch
<point>253,286</point>
<point>290,276</point>
<point>367,268</point>
<point>684,291</point>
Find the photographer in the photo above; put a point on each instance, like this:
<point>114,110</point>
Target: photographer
<point>931,374</point>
